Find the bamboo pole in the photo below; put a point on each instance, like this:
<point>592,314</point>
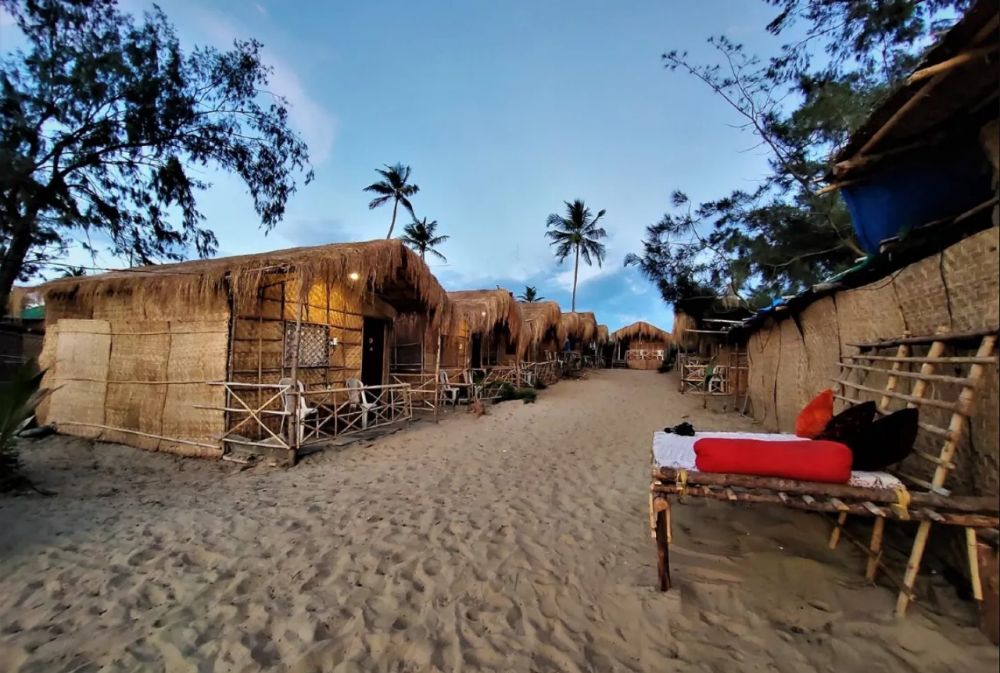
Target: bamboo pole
<point>913,567</point>
<point>951,63</point>
<point>933,378</point>
<point>437,377</point>
<point>664,477</point>
<point>952,360</point>
<point>928,339</point>
<point>811,504</point>
<point>973,550</point>
<point>174,440</point>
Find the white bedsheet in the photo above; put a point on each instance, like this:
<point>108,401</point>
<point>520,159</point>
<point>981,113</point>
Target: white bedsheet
<point>675,451</point>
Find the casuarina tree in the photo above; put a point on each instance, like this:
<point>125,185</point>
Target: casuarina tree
<point>107,125</point>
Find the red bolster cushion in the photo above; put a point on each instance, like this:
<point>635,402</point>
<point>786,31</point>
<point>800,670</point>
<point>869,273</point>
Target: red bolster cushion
<point>805,459</point>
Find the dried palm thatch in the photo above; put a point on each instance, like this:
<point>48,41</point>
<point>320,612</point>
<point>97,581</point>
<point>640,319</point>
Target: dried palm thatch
<point>682,323</point>
<point>384,267</point>
<point>581,326</point>
<point>641,331</point>
<point>484,310</point>
<point>540,321</point>
<point>603,336</point>
<point>20,298</point>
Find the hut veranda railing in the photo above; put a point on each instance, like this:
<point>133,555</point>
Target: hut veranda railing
<point>946,403</point>
<point>263,415</point>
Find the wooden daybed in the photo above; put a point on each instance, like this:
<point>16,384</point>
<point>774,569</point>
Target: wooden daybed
<point>914,380</point>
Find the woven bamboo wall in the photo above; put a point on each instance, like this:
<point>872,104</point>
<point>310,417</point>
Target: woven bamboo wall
<point>118,367</point>
<point>957,290</point>
<point>641,344</point>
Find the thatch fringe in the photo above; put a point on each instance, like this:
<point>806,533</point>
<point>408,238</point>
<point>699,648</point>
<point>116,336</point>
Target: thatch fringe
<point>484,310</point>
<point>683,322</point>
<point>19,298</point>
<point>581,325</point>
<point>603,336</point>
<point>540,321</point>
<point>365,268</point>
<point>641,331</point>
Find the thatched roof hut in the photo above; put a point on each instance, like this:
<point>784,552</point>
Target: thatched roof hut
<point>642,331</point>
<point>132,353</point>
<point>603,335</point>
<point>491,315</point>
<point>579,327</point>
<point>540,324</point>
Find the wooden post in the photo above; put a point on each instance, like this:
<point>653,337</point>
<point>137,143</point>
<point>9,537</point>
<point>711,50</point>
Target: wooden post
<point>293,425</point>
<point>437,377</point>
<point>662,544</point>
<point>875,548</point>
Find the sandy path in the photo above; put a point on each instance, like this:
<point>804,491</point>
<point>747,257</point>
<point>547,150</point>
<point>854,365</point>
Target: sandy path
<point>513,542</point>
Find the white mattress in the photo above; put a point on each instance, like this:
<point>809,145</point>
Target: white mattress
<point>675,451</point>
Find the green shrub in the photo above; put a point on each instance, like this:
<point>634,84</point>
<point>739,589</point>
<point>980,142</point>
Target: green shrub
<point>18,399</point>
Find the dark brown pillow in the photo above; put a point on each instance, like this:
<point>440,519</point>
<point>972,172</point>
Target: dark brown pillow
<point>887,441</point>
<point>850,425</point>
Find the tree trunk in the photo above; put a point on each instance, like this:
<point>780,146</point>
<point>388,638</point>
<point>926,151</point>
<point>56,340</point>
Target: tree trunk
<point>576,271</point>
<point>13,260</point>
<point>392,225</point>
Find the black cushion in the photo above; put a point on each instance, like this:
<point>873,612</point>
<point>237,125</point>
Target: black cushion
<point>887,441</point>
<point>850,425</point>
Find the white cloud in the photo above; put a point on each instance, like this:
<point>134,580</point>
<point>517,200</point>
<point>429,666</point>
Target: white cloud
<point>564,278</point>
<point>261,9</point>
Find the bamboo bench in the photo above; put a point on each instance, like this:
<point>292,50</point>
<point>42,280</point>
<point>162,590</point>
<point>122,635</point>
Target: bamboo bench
<point>942,384</point>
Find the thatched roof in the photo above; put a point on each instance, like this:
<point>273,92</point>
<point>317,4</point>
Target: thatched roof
<point>540,318</point>
<point>384,267</point>
<point>484,310</point>
<point>641,331</point>
<point>581,325</point>
<point>682,323</point>
<point>603,336</point>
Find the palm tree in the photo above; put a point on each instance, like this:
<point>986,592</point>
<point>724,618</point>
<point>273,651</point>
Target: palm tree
<point>419,235</point>
<point>577,232</point>
<point>530,294</point>
<point>394,187</point>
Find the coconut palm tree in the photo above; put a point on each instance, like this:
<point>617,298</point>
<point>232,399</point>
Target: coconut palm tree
<point>530,294</point>
<point>419,235</point>
<point>577,233</point>
<point>395,187</point>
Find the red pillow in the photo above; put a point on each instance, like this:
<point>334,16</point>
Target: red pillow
<point>814,416</point>
<point>805,459</point>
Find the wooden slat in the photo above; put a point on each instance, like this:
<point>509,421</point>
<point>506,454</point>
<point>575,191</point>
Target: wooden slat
<point>873,508</point>
<point>923,483</point>
<point>931,338</point>
<point>932,515</point>
<point>940,404</point>
<point>950,360</point>
<point>935,459</point>
<point>839,504</point>
<point>808,499</point>
<point>730,494</point>
<point>936,378</point>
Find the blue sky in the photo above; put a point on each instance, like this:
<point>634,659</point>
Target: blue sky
<point>504,110</point>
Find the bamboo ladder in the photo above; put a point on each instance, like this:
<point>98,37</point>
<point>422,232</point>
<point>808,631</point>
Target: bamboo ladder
<point>961,410</point>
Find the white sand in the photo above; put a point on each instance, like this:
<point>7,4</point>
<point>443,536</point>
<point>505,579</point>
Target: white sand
<point>513,542</point>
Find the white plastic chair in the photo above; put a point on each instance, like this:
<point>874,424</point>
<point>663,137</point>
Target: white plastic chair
<point>359,399</point>
<point>289,399</point>
<point>448,391</point>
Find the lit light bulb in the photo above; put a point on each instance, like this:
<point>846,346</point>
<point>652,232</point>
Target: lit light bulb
<point>354,275</point>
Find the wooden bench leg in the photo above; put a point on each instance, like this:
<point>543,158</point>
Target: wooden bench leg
<point>913,567</point>
<point>972,546</point>
<point>835,533</point>
<point>662,509</point>
<point>875,549</point>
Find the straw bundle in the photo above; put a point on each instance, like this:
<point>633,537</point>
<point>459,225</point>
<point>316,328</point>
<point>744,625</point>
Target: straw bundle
<point>581,325</point>
<point>385,267</point>
<point>603,336</point>
<point>641,331</point>
<point>540,321</point>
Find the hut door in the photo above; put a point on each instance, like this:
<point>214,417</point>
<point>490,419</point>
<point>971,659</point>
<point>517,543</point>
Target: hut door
<point>477,351</point>
<point>373,355</point>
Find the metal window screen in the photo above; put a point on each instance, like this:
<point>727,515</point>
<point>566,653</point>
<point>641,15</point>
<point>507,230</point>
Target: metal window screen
<point>314,344</point>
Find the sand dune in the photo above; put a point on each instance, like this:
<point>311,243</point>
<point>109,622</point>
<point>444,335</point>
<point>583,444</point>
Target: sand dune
<point>516,541</point>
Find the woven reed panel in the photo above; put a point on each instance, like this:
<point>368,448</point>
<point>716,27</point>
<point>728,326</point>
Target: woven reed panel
<point>869,313</point>
<point>313,343</point>
<point>81,369</point>
<point>197,354</point>
<point>139,351</point>
<point>921,297</point>
<point>970,269</point>
<point>764,351</point>
<point>352,360</point>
